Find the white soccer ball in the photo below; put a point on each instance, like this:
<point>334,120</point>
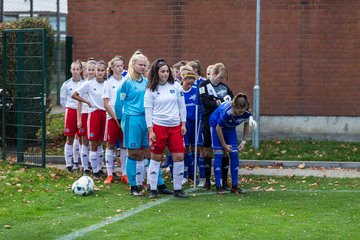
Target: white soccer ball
<point>90,183</point>
<point>80,188</point>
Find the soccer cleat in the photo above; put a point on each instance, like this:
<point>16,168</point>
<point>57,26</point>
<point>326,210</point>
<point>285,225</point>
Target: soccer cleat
<point>202,182</point>
<point>180,194</point>
<point>109,180</point>
<point>162,189</point>
<point>76,167</point>
<point>116,177</point>
<point>135,191</point>
<point>220,190</point>
<point>153,194</point>
<point>69,169</point>
<point>236,190</point>
<point>124,179</point>
<point>86,172</point>
<point>207,186</point>
<point>226,187</point>
<point>184,181</point>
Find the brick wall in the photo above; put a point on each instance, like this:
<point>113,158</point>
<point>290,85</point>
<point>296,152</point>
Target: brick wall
<point>310,55</point>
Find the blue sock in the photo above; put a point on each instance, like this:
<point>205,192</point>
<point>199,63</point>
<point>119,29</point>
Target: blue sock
<point>200,162</point>
<point>186,165</point>
<point>217,167</point>
<point>191,166</point>
<point>131,171</point>
<point>171,164</point>
<point>160,178</point>
<point>234,167</point>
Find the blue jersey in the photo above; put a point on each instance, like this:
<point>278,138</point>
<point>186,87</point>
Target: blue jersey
<point>130,97</point>
<point>223,115</point>
<point>198,100</point>
<point>190,102</point>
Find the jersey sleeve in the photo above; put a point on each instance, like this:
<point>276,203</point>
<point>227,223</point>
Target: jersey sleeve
<point>181,102</point>
<point>63,92</point>
<point>106,91</point>
<point>206,100</point>
<point>119,101</point>
<point>149,106</point>
<point>83,88</point>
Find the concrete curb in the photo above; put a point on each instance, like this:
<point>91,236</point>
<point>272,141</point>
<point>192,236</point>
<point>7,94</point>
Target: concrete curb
<point>262,163</point>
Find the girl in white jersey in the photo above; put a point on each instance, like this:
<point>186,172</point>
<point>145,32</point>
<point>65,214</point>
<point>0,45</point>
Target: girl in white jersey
<point>82,116</point>
<point>112,130</point>
<point>97,114</point>
<point>165,114</point>
<point>70,125</point>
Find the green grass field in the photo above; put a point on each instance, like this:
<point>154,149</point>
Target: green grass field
<point>38,204</point>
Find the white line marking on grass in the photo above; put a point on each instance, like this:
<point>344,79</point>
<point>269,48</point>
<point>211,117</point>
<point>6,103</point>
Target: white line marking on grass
<point>132,212</point>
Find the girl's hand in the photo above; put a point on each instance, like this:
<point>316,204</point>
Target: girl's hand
<point>242,145</point>
<point>227,148</point>
<point>183,130</point>
<point>79,124</point>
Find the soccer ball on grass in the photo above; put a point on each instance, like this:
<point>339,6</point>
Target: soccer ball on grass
<point>83,186</point>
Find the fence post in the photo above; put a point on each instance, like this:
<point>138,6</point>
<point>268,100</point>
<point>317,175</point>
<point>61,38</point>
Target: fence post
<point>69,43</point>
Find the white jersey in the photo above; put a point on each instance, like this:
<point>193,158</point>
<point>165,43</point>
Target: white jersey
<point>110,89</point>
<point>167,105</point>
<point>84,106</point>
<point>66,91</point>
<point>94,90</point>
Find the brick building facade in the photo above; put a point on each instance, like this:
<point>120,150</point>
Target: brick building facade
<point>310,55</point>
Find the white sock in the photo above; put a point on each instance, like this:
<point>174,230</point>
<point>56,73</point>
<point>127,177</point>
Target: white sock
<point>123,156</point>
<point>68,153</point>
<point>84,156</point>
<point>100,156</point>
<point>178,174</point>
<point>94,160</point>
<point>153,174</point>
<point>139,172</point>
<point>109,159</point>
<point>76,150</point>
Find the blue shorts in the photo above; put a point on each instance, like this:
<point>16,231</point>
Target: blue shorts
<point>135,132</point>
<point>229,136</point>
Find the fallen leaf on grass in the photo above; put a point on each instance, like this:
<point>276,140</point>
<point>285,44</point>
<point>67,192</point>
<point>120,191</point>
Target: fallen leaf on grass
<point>301,166</point>
<point>269,189</point>
<point>7,226</point>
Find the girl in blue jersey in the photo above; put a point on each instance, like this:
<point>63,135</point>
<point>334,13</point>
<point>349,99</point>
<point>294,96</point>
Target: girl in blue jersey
<point>190,95</point>
<point>129,107</point>
<point>200,143</point>
<point>223,122</point>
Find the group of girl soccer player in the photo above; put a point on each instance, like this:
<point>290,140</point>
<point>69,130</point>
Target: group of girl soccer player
<point>148,110</point>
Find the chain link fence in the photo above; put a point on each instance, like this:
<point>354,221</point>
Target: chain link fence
<point>56,12</point>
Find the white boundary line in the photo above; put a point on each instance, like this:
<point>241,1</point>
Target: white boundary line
<point>132,212</point>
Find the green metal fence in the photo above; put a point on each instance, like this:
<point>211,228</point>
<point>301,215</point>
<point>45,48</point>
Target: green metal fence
<point>23,108</point>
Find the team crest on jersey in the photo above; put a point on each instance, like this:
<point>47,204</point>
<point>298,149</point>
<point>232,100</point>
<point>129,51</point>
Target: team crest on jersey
<point>122,96</point>
<point>181,94</point>
<point>94,89</point>
<point>172,91</point>
<point>113,87</point>
<point>70,89</point>
<point>202,90</point>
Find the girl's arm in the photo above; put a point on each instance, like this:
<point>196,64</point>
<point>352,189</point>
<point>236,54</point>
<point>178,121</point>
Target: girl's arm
<point>227,148</point>
<point>206,100</point>
<point>119,102</point>
<point>77,97</point>
<point>245,136</point>
<point>182,109</point>
<point>109,110</point>
<point>78,111</point>
<point>149,106</point>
